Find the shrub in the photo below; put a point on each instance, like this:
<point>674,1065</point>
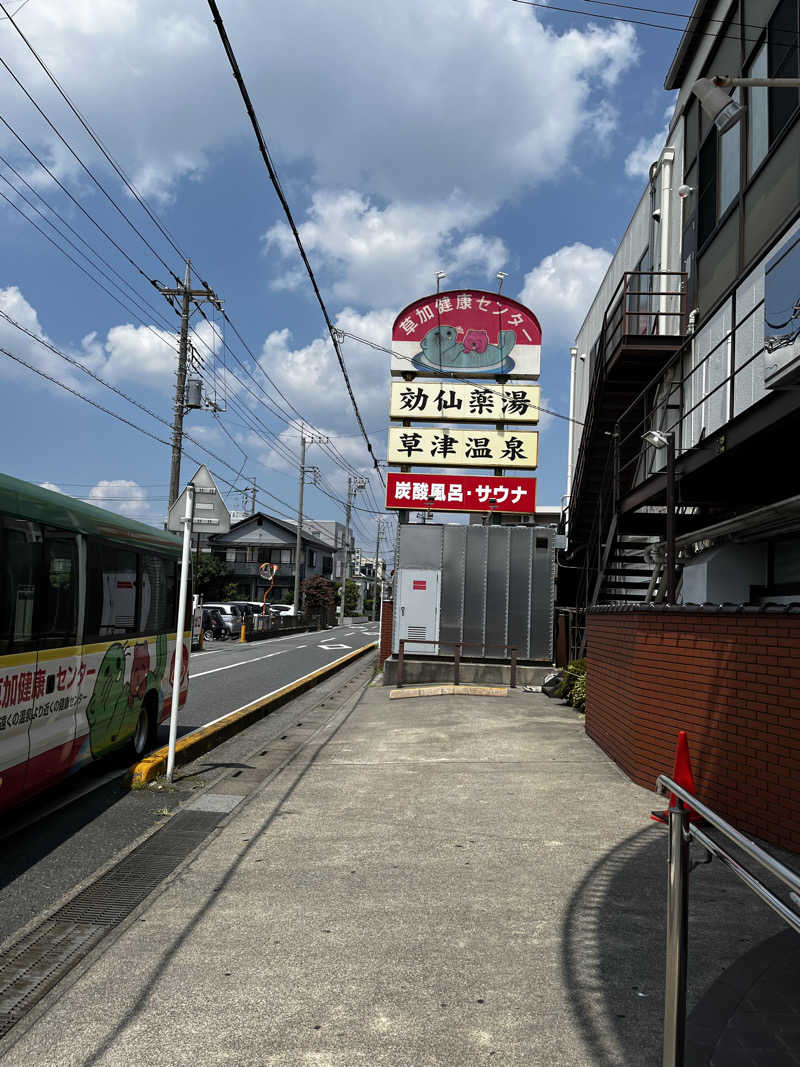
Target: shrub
<point>573,686</point>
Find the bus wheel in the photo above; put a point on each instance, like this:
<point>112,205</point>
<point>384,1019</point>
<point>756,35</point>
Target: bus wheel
<point>144,736</point>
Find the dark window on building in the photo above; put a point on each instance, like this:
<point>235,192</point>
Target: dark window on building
<point>782,61</point>
<point>707,192</point>
<point>312,558</point>
<point>327,565</point>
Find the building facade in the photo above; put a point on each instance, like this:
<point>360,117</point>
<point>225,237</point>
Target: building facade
<point>694,334</point>
<point>681,579</point>
<point>258,539</point>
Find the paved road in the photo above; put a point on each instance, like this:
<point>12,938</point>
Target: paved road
<point>57,841</point>
<point>227,675</point>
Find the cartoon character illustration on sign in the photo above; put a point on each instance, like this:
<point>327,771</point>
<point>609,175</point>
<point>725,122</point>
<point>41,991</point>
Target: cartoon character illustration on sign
<point>442,349</point>
<point>115,704</point>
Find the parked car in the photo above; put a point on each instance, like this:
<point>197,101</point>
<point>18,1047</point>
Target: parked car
<point>232,614</point>
<point>283,609</point>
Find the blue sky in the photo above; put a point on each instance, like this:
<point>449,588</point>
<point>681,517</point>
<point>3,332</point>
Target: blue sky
<point>469,136</point>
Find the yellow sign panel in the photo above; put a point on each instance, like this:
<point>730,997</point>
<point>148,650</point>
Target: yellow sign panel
<point>463,401</point>
<point>424,446</point>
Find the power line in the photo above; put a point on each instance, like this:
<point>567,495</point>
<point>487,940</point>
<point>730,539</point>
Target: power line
<point>21,178</point>
<point>83,166</point>
<point>689,18</point>
<point>284,204</point>
<point>631,22</point>
<point>114,389</point>
<point>90,131</point>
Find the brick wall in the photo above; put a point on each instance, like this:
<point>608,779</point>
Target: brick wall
<point>387,616</point>
<point>731,680</point>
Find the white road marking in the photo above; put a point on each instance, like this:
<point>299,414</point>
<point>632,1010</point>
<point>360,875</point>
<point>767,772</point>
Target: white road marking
<point>240,663</point>
<point>332,647</point>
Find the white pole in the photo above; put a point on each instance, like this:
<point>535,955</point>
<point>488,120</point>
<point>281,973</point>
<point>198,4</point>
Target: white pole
<point>176,678</point>
<point>666,325</point>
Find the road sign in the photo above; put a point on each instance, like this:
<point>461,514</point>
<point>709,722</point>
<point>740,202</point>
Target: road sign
<point>210,513</point>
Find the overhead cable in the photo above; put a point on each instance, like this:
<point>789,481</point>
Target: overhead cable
<point>287,211</point>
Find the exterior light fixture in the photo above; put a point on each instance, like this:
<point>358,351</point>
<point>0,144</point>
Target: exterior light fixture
<point>500,276</point>
<point>684,191</point>
<point>439,276</point>
<point>717,104</point>
<point>656,438</point>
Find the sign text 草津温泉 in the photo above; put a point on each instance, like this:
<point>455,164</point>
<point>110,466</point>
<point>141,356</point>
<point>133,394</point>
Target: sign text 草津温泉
<point>425,446</point>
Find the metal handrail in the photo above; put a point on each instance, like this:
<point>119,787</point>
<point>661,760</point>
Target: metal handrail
<point>681,833</point>
<point>457,646</point>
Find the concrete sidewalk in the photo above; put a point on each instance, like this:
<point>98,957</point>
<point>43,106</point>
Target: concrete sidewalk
<point>430,882</point>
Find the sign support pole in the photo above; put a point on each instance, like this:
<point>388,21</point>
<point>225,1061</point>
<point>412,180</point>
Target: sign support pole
<point>178,673</point>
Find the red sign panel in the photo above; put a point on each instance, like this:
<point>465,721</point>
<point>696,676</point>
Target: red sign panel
<point>418,583</point>
<point>461,492</point>
<point>467,332</point>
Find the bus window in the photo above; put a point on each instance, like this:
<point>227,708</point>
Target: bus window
<point>111,582</point>
<point>58,619</point>
<point>157,609</point>
<point>21,560</point>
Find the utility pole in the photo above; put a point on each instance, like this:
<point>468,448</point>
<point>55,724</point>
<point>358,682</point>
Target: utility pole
<point>352,488</point>
<point>299,543</point>
<point>253,498</point>
<point>310,440</point>
<point>186,294</point>
<point>375,587</point>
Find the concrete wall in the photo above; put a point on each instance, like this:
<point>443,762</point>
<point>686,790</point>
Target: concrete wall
<point>731,680</point>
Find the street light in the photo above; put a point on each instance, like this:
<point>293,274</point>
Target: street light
<point>720,107</point>
<point>501,276</point>
<point>659,439</point>
<point>440,276</point>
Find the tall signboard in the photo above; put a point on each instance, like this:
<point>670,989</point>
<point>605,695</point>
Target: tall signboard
<point>465,358</point>
<point>469,333</point>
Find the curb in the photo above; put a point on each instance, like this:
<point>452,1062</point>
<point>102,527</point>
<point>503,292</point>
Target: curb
<point>207,737</point>
<point>449,690</point>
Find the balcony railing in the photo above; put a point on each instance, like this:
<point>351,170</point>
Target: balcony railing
<point>645,304</point>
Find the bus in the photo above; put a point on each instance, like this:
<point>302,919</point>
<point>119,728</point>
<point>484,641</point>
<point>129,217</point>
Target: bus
<point>88,607</point>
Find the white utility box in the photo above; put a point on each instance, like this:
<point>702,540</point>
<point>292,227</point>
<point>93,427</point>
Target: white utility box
<point>417,610</point>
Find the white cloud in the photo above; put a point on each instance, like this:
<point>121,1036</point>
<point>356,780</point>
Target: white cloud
<point>123,496</point>
<point>560,289</point>
<point>380,255</point>
<point>648,149</point>
<point>49,485</point>
<point>400,99</point>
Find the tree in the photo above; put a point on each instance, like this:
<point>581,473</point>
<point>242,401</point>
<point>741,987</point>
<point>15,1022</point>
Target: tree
<point>318,594</point>
<point>350,597</point>
<point>213,578</point>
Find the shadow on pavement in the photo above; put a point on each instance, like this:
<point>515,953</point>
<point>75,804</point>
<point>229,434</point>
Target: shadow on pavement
<point>614,958</point>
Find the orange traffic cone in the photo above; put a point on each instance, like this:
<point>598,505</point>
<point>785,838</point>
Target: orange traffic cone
<point>682,774</point>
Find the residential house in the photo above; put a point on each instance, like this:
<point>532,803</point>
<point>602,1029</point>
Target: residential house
<point>260,538</point>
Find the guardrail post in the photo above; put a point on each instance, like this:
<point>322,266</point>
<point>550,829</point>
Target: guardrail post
<point>400,652</point>
<point>677,936</point>
<point>456,663</point>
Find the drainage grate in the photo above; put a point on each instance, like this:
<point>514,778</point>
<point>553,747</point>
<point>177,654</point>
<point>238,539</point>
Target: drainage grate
<point>40,959</point>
